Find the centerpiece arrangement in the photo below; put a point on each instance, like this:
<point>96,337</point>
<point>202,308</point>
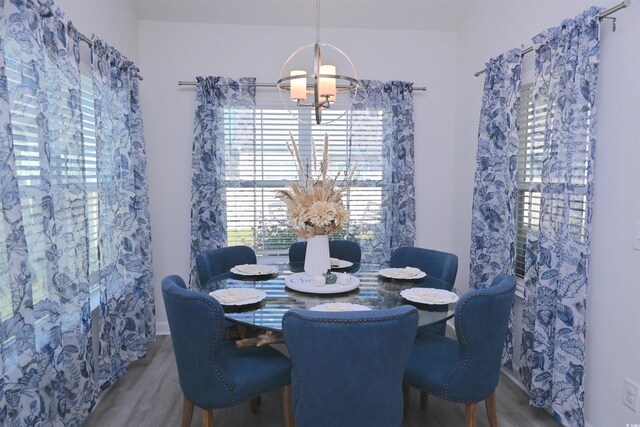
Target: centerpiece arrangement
<point>314,204</point>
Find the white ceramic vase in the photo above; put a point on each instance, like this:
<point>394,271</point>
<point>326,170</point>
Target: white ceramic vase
<point>316,260</point>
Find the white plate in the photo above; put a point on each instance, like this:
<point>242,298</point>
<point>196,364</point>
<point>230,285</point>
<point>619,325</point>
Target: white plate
<point>340,263</point>
<point>238,296</point>
<point>429,296</point>
<point>253,270</point>
<point>402,273</point>
<point>340,306</point>
<point>302,282</point>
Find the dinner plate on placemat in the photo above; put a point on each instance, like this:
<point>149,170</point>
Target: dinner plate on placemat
<point>253,270</point>
<point>238,296</point>
<point>340,306</point>
<point>407,273</point>
<point>340,263</point>
<point>429,296</point>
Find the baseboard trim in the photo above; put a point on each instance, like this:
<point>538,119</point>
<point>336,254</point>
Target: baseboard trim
<point>162,328</point>
<point>509,374</point>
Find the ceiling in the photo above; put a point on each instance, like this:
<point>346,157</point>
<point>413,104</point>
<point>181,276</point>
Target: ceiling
<point>435,15</point>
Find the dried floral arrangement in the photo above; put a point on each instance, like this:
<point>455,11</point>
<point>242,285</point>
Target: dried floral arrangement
<point>314,204</point>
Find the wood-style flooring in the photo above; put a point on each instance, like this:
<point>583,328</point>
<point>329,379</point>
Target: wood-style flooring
<point>149,395</point>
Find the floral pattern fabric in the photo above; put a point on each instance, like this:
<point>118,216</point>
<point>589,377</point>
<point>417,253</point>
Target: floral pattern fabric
<point>495,193</point>
<point>208,198</point>
<point>46,352</point>
<point>397,225</point>
<point>46,356</point>
<point>556,263</point>
<point>127,302</point>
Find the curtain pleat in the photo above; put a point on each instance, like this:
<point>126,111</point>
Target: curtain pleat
<point>397,225</point>
<point>127,317</point>
<point>208,189</point>
<point>45,344</point>
<point>557,256</point>
<point>495,192</point>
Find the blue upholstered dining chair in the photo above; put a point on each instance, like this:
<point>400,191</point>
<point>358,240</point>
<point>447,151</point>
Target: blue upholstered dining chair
<point>441,265</point>
<point>213,262</point>
<point>341,249</point>
<point>348,366</point>
<point>466,370</point>
<point>213,373</point>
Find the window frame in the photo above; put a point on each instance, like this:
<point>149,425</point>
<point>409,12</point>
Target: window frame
<point>369,188</point>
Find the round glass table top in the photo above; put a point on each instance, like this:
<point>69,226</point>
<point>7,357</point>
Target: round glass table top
<point>375,292</point>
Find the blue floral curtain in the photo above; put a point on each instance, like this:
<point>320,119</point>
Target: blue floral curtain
<point>208,198</point>
<point>495,193</point>
<point>397,225</point>
<point>45,341</point>
<point>127,306</point>
<point>48,263</point>
<point>554,317</point>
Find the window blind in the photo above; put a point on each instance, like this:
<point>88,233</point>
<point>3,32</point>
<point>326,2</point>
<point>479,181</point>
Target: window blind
<point>257,163</point>
<point>535,120</point>
<point>83,210</point>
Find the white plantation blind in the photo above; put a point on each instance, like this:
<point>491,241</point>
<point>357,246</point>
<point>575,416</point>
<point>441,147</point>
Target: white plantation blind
<point>533,119</point>
<point>530,155</point>
<point>24,122</point>
<point>257,163</point>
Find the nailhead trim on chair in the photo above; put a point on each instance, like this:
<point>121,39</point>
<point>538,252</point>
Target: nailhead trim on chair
<point>464,340</point>
<point>325,320</point>
<point>218,373</point>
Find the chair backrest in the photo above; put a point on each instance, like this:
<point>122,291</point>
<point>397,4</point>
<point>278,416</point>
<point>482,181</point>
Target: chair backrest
<point>348,366</point>
<point>481,319</point>
<point>341,249</point>
<point>217,261</point>
<point>196,322</point>
<point>441,265</point>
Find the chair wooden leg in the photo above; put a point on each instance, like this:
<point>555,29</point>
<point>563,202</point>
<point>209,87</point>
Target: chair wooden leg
<point>470,417</point>
<point>423,399</point>
<point>492,413</point>
<point>406,394</point>
<point>187,411</point>
<point>287,406</point>
<point>207,417</point>
<point>255,404</point>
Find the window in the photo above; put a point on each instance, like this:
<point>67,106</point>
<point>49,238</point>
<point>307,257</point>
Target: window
<point>530,156</point>
<point>533,119</point>
<point>257,163</point>
<point>24,121</point>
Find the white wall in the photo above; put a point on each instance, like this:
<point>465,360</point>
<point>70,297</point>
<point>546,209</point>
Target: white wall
<point>113,21</point>
<point>177,51</point>
<point>613,338</point>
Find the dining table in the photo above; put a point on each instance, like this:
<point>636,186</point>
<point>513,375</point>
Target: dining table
<point>374,291</point>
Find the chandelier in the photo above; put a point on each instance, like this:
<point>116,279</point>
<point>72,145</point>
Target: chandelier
<point>304,75</point>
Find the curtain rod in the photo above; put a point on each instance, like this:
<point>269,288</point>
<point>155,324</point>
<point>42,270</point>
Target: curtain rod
<point>183,83</point>
<point>88,41</point>
<point>601,15</point>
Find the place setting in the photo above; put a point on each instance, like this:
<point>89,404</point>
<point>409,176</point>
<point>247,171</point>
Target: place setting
<point>254,271</point>
<point>431,297</point>
<point>238,298</point>
<point>339,264</point>
<point>406,273</point>
<point>340,307</point>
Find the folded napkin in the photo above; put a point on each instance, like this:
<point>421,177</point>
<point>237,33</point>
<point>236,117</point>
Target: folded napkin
<point>234,295</point>
<point>253,269</point>
<point>433,296</point>
<point>335,262</point>
<point>405,273</point>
